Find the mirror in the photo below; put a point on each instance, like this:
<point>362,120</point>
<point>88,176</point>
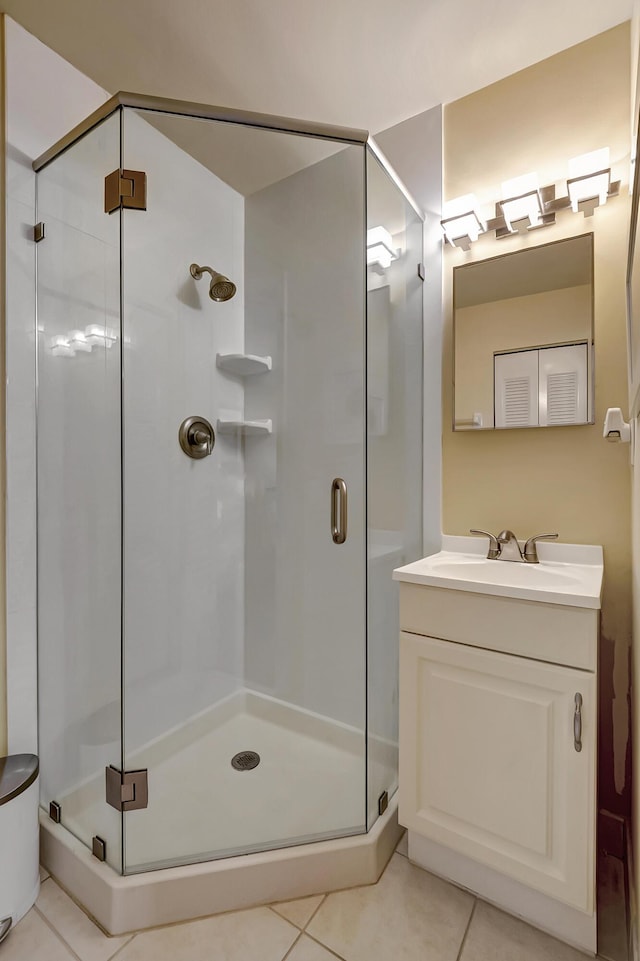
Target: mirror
<point>523,338</point>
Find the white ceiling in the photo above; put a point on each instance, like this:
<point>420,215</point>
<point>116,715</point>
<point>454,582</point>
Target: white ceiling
<point>360,63</point>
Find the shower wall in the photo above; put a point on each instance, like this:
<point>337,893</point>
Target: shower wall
<point>184,519</point>
<point>304,247</point>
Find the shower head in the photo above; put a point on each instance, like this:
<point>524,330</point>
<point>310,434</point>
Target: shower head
<point>220,288</point>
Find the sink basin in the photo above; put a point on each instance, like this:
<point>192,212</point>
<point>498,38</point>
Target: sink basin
<point>574,579</point>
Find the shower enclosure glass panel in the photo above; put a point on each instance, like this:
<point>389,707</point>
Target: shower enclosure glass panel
<point>394,452</point>
<point>79,487</point>
<point>225,621</point>
<point>244,622</point>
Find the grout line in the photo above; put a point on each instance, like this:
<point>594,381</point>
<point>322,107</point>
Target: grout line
<point>51,925</point>
<point>325,946</point>
<point>311,916</point>
<point>288,954</point>
<point>324,898</point>
<point>466,930</point>
<point>56,932</point>
<point>122,947</point>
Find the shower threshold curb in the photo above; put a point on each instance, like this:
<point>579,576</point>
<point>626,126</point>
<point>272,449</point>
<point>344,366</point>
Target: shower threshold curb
<point>124,904</point>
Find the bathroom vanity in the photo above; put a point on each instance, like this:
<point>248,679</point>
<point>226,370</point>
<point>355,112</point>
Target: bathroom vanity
<point>498,727</point>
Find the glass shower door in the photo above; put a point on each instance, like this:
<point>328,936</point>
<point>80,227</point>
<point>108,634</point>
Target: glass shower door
<point>244,598</point>
<point>78,449</point>
<point>394,452</point>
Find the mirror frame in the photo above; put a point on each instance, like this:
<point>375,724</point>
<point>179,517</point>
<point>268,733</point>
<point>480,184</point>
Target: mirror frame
<point>591,400</point>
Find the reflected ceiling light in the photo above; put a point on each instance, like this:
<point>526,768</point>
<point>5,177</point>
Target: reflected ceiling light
<point>522,207</point>
<point>380,249</point>
<point>60,347</point>
<point>78,341</point>
<point>98,336</point>
<point>461,223</point>
<point>589,181</point>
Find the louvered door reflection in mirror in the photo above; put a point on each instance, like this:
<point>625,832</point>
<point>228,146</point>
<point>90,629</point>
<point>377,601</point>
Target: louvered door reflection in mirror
<point>523,338</point>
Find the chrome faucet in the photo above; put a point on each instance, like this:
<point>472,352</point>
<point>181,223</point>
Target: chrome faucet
<point>509,547</point>
<point>505,546</point>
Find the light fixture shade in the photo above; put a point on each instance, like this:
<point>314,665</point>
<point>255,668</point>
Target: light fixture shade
<point>589,180</point>
<point>461,223</point>
<point>522,206</point>
<point>380,249</point>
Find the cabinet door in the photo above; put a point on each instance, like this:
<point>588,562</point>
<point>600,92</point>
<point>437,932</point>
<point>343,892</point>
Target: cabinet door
<point>489,766</point>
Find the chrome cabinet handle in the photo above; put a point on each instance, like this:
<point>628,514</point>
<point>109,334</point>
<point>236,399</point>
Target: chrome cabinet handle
<point>494,547</point>
<point>577,722</point>
<point>338,510</point>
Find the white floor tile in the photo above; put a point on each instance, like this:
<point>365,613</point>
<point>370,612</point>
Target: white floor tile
<point>33,940</point>
<point>299,911</point>
<point>240,936</point>
<point>81,934</point>
<point>496,936</point>
<point>44,874</point>
<point>306,949</point>
<point>407,907</point>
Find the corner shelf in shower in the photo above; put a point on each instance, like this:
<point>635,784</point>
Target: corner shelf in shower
<point>245,365</point>
<point>246,428</point>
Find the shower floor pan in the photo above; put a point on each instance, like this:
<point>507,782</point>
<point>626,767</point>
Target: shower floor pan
<point>310,778</point>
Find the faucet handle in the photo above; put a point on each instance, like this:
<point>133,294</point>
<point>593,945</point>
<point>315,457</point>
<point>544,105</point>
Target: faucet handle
<point>530,552</point>
<point>494,547</point>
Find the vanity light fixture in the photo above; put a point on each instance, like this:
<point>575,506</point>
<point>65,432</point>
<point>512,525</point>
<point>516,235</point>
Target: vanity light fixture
<point>589,181</point>
<point>462,225</point>
<point>527,206</point>
<point>380,249</point>
<point>522,207</point>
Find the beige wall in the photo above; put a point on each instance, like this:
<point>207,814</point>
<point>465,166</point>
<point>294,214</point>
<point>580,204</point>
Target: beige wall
<point>565,479</point>
<point>482,330</point>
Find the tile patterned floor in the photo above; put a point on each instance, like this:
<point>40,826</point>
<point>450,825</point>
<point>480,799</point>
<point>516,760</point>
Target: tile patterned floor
<point>409,915</point>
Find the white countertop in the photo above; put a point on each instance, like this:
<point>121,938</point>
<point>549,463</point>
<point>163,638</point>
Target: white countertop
<point>568,574</point>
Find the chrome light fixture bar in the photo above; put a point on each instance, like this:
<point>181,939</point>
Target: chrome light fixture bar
<point>528,207</point>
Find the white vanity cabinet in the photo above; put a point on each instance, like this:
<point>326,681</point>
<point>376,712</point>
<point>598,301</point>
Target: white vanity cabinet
<point>489,766</point>
<point>498,738</point>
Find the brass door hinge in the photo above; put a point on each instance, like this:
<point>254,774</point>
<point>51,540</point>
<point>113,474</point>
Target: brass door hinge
<point>125,188</point>
<point>126,790</point>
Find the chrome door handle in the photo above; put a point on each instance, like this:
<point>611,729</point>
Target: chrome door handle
<point>338,510</point>
<point>577,722</point>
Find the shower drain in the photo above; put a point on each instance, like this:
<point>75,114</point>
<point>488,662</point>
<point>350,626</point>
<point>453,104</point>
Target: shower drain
<point>245,760</point>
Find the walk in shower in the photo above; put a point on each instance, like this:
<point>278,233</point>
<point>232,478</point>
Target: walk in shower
<point>225,483</point>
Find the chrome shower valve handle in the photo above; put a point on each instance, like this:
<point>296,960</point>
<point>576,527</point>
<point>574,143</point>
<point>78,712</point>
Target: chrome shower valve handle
<point>197,437</point>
